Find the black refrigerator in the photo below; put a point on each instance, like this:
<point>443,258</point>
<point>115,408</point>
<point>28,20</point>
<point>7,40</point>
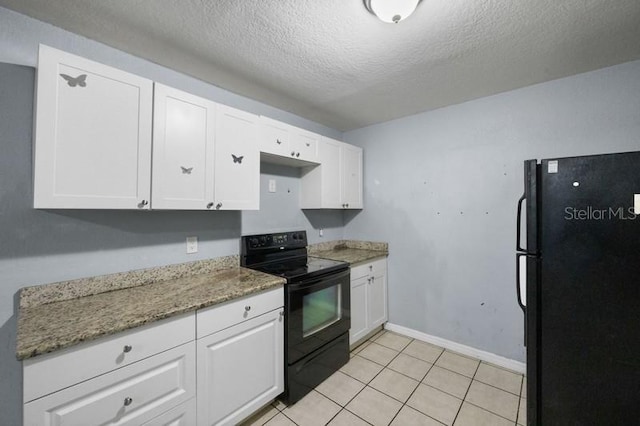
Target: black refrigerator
<point>578,257</point>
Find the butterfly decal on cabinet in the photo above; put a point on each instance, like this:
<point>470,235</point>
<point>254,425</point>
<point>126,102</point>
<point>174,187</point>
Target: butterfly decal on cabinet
<point>75,81</point>
<point>237,159</point>
<point>186,171</point>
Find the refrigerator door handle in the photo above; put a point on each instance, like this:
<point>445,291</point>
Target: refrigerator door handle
<point>518,289</point>
<point>519,224</point>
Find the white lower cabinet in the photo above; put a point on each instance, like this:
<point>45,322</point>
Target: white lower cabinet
<point>147,376</point>
<point>240,369</point>
<point>130,395</point>
<point>368,298</point>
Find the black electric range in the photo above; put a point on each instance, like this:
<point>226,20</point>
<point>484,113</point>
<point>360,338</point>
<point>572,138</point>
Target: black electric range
<point>317,307</point>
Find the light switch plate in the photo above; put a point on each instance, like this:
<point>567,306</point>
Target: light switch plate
<point>192,245</point>
<point>272,185</point>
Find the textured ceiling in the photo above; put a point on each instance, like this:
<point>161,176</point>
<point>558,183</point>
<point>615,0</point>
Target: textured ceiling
<point>333,62</point>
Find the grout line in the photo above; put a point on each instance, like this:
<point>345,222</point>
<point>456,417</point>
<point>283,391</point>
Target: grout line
<point>345,408</point>
<point>496,387</point>
<point>416,388</point>
<point>466,394</point>
<point>489,411</point>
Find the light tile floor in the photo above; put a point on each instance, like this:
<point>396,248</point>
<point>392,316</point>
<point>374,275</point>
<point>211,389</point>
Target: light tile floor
<point>395,380</point>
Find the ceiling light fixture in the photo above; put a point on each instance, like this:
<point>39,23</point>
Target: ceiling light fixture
<point>392,11</point>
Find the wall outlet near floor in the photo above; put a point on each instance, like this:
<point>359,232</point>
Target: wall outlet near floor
<point>192,245</point>
<point>272,185</point>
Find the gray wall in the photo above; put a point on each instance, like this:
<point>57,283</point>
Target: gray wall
<point>42,246</point>
<point>441,187</point>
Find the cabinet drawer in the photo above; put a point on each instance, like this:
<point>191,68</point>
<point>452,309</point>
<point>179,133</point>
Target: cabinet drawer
<point>182,415</point>
<point>372,268</point>
<point>219,317</point>
<point>48,373</point>
<point>378,267</point>
<point>360,271</point>
<point>128,396</point>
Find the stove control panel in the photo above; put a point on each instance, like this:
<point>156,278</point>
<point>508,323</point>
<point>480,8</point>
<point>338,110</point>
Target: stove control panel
<point>282,240</point>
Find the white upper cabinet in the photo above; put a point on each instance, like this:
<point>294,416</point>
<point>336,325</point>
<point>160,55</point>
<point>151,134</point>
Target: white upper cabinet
<point>288,144</point>
<point>337,182</point>
<point>92,135</point>
<point>183,150</point>
<point>237,160</point>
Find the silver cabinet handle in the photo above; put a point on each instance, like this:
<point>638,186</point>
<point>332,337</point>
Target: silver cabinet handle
<point>347,205</point>
<point>308,144</point>
<point>278,141</point>
<point>247,308</point>
<point>210,205</point>
<point>371,267</point>
<point>142,204</point>
<point>128,401</point>
<point>127,348</point>
<point>218,206</point>
<point>297,154</point>
<point>281,314</point>
<point>293,153</point>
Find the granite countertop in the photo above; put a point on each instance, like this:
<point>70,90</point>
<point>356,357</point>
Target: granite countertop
<point>51,326</point>
<point>60,315</point>
<point>352,252</point>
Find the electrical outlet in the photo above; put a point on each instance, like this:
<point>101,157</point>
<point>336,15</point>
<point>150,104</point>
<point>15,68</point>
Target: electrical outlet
<point>272,185</point>
<point>192,245</point>
<point>321,232</point>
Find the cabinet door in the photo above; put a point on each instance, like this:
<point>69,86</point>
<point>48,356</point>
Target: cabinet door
<point>131,395</point>
<point>240,369</point>
<point>92,135</point>
<point>377,300</point>
<point>274,137</point>
<point>237,160</point>
<point>304,145</point>
<point>183,143</point>
<point>351,168</point>
<point>331,185</point>
<point>359,314</point>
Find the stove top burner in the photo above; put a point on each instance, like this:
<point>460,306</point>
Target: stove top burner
<point>298,269</point>
<point>285,255</point>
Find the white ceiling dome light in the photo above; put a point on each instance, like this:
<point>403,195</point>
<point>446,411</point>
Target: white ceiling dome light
<point>391,11</point>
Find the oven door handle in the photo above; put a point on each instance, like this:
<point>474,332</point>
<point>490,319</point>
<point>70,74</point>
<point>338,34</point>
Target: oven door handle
<point>320,282</point>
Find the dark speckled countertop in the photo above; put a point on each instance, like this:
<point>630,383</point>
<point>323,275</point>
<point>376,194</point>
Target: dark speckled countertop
<point>47,327</point>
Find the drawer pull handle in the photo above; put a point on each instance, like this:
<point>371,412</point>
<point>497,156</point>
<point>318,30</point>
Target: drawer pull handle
<point>127,401</point>
<point>247,308</point>
<point>127,348</point>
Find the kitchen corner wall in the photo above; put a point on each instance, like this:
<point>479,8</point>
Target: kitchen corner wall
<point>441,187</point>
<point>42,246</point>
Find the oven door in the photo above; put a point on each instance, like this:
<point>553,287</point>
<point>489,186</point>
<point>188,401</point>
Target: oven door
<point>318,311</point>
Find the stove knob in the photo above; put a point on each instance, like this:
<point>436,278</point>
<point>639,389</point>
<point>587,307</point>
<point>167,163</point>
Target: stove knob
<point>263,240</point>
<point>253,242</point>
<point>294,236</point>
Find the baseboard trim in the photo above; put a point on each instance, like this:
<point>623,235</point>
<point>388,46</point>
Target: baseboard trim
<point>510,364</point>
